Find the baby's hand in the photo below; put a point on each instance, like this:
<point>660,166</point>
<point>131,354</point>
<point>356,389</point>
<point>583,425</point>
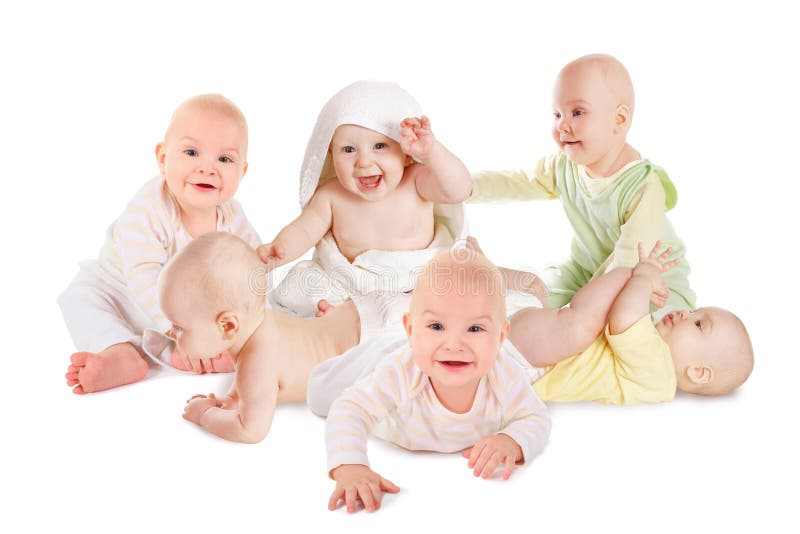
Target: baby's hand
<point>416,137</point>
<point>184,362</point>
<point>653,267</point>
<point>198,405</point>
<point>358,482</point>
<point>491,451</point>
<point>270,253</point>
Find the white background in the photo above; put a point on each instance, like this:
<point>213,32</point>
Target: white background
<point>87,92</point>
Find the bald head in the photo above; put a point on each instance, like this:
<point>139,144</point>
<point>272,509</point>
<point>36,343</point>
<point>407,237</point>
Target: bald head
<point>218,270</point>
<point>209,104</point>
<point>460,272</point>
<point>607,69</point>
<point>733,362</point>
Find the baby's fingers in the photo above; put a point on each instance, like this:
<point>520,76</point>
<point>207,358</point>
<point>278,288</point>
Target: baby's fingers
<point>336,496</point>
<point>350,499</point>
<point>669,265</point>
<point>509,467</point>
<point>368,498</point>
<point>411,123</point>
<point>388,486</point>
<point>425,122</point>
<point>491,465</point>
<point>475,453</point>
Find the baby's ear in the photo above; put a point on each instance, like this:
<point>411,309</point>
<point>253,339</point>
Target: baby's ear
<point>407,323</point>
<point>622,118</point>
<point>504,332</point>
<point>161,154</point>
<point>228,324</point>
<point>700,374</point>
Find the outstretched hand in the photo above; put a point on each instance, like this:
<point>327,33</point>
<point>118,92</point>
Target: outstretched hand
<point>271,253</point>
<point>653,266</point>
<point>416,137</point>
<point>356,482</point>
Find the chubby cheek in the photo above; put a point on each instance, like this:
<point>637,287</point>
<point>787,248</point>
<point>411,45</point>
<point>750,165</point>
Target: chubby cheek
<point>554,132</point>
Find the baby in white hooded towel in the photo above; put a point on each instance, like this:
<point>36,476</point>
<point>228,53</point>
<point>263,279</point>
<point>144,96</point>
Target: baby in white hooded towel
<point>380,196</point>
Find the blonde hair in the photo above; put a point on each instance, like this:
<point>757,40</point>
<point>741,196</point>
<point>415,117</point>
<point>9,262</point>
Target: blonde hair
<point>210,102</point>
<point>614,73</point>
<point>464,270</point>
<point>221,270</point>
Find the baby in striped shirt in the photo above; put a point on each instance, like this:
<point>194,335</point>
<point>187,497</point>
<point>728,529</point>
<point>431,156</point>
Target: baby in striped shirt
<point>112,300</point>
<point>453,389</point>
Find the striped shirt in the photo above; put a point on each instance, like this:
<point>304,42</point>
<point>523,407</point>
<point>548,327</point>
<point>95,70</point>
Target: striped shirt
<point>148,233</point>
<point>397,403</point>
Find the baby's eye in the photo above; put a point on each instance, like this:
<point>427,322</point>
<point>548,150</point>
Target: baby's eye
<point>556,114</point>
<point>578,113</point>
<point>192,153</point>
<point>379,146</point>
<point>225,159</point>
<point>698,324</point>
<point>475,328</point>
<point>436,326</point>
<point>348,149</point>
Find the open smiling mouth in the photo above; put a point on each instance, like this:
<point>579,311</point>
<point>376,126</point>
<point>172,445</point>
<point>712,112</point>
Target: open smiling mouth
<point>451,364</point>
<point>207,187</point>
<point>370,183</point>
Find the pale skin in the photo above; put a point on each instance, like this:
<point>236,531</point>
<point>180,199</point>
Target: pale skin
<point>547,336</point>
<point>592,109</point>
<point>273,356</point>
<point>380,199</point>
<point>478,329</point>
<point>203,158</point>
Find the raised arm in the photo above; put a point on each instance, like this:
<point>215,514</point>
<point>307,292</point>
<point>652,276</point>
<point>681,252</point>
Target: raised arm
<point>646,283</point>
<point>301,234</point>
<point>644,221</point>
<point>440,177</point>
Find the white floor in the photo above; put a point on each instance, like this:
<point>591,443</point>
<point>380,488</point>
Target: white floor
<point>88,91</point>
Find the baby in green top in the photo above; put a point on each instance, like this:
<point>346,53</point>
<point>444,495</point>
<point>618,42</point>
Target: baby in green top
<point>613,198</point>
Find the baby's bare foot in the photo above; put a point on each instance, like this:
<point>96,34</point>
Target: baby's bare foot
<point>324,307</point>
<point>116,366</point>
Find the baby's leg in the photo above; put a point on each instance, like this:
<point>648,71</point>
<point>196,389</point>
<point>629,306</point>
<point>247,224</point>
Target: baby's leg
<point>546,336</point>
<point>115,366</point>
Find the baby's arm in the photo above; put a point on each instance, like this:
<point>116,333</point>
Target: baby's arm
<point>644,222</point>
<point>504,186</point>
<point>142,234</point>
<point>301,234</point>
<point>441,177</point>
<point>547,336</point>
<point>245,415</point>
<point>346,432</point>
<point>633,302</point>
<point>523,436</point>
